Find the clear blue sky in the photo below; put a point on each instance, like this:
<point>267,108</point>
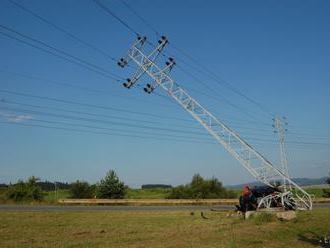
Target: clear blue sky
<point>275,52</point>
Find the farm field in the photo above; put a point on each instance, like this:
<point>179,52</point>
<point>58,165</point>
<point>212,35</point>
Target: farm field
<point>159,229</point>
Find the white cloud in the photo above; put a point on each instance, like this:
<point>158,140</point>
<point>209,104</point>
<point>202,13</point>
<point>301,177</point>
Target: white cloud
<point>15,117</point>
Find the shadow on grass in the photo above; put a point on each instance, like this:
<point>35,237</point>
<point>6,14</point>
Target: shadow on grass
<point>314,239</point>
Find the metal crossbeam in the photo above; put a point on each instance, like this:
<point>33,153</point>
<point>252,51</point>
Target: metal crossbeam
<point>255,163</point>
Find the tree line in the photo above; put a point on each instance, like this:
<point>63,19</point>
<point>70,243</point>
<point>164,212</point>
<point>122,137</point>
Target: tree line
<point>33,190</point>
<point>111,187</point>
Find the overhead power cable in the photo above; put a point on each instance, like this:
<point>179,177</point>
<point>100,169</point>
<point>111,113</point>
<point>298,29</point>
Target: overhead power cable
<point>81,61</point>
<point>113,134</point>
<point>79,87</point>
<point>158,123</point>
<point>106,9</point>
<point>125,124</point>
<point>104,133</point>
<point>57,55</point>
<point>103,107</point>
<point>123,131</point>
<point>115,123</point>
<point>216,78</point>
<point>93,105</point>
<point>136,120</point>
<point>126,110</point>
<point>100,51</point>
<point>126,134</point>
<point>223,99</point>
<point>141,18</point>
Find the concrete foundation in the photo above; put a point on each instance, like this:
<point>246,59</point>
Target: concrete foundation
<point>280,214</point>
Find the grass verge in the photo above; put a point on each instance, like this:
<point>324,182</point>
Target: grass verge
<point>158,229</point>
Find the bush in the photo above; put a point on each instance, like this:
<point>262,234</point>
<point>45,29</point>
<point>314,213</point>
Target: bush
<point>25,191</point>
<point>81,190</point>
<point>200,188</point>
<point>156,186</point>
<point>50,186</point>
<point>110,187</point>
<point>326,192</point>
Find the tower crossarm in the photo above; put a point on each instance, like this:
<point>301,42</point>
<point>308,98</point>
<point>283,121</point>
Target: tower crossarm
<point>255,163</point>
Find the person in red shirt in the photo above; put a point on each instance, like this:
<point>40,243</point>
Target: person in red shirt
<point>246,191</point>
<point>245,198</point>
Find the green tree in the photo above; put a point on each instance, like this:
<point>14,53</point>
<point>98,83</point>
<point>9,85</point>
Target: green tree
<point>110,187</point>
<point>25,191</point>
<point>179,192</point>
<point>200,188</point>
<point>81,190</point>
<point>326,192</point>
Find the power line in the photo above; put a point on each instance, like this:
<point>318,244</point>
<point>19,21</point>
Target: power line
<point>82,61</point>
<point>125,131</point>
<point>76,86</point>
<point>121,110</point>
<point>224,99</point>
<point>5,101</point>
<point>62,30</point>
<point>111,116</point>
<point>93,105</point>
<point>311,136</point>
<point>141,18</point>
<point>115,123</point>
<point>104,133</point>
<point>107,10</point>
<point>185,139</point>
<point>216,78</point>
<point>57,55</point>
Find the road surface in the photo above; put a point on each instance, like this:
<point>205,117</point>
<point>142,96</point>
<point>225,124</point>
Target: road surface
<point>73,208</point>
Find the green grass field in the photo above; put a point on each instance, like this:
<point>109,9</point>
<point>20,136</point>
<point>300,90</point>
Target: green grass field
<point>317,192</point>
<point>159,229</point>
<point>147,193</point>
<point>52,196</point>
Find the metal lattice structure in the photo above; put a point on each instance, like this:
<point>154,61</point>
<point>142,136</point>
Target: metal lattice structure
<point>279,125</point>
<point>255,163</point>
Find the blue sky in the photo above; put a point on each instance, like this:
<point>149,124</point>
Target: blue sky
<point>275,52</point>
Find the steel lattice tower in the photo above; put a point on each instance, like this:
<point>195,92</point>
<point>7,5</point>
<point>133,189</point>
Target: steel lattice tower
<point>253,161</point>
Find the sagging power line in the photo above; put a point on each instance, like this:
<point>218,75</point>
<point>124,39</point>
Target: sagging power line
<point>58,52</point>
<point>66,32</point>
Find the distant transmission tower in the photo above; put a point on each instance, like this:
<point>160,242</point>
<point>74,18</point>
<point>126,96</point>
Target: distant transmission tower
<point>280,125</point>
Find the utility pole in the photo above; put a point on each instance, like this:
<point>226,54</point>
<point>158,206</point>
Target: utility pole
<point>56,195</point>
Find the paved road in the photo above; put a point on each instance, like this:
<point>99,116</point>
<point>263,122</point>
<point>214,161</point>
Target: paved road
<point>41,208</point>
<point>44,208</point>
